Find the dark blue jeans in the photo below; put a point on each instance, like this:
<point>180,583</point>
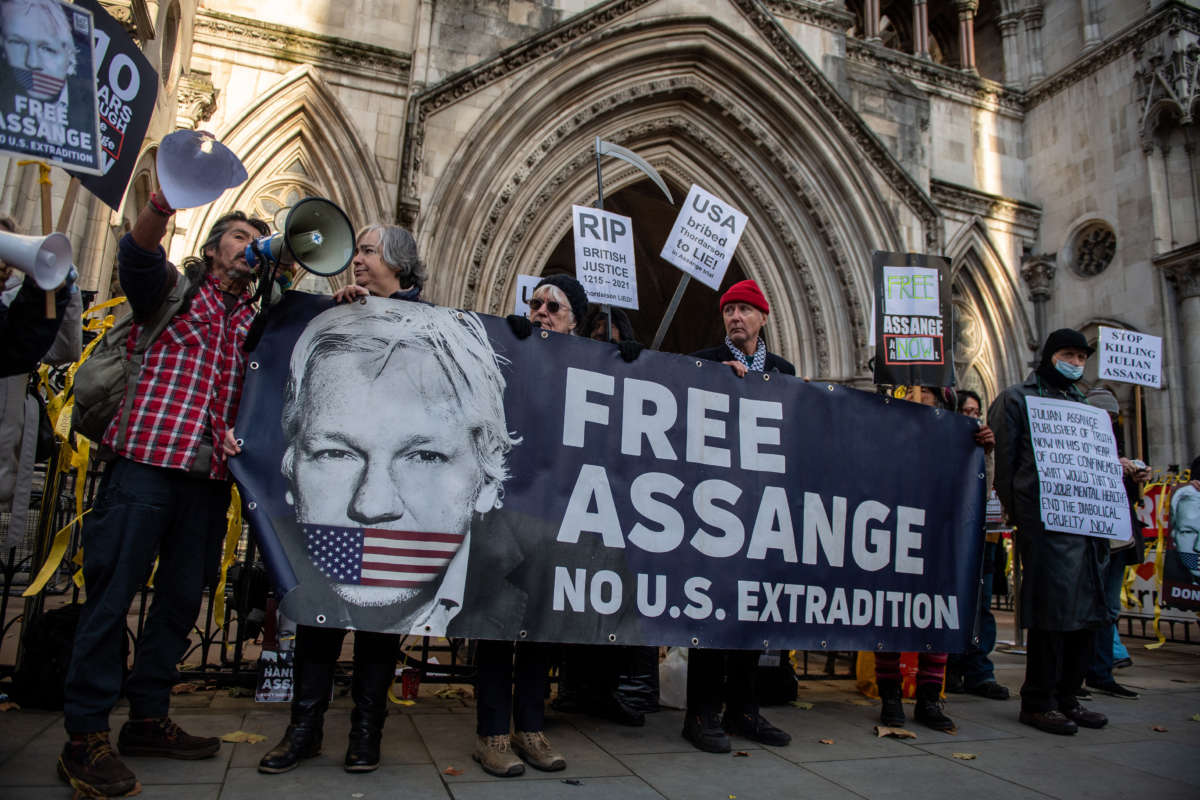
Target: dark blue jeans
<point>1101,669</point>
<point>974,665</point>
<point>141,512</point>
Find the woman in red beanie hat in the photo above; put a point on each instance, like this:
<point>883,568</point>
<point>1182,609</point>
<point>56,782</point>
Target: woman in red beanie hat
<point>717,677</point>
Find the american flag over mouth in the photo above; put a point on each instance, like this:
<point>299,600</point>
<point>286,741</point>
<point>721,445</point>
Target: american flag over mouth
<point>1190,560</point>
<point>378,557</point>
<point>38,81</point>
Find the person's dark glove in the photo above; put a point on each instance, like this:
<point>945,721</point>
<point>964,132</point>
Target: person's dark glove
<point>630,350</point>
<point>521,327</point>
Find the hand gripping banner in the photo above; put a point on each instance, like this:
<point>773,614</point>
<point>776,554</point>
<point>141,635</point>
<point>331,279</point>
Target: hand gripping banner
<point>418,469</point>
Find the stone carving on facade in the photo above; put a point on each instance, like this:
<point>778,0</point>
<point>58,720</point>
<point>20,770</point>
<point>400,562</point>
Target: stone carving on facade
<point>824,94</point>
<point>196,99</point>
<point>972,202</point>
<point>1037,270</point>
<point>282,43</point>
<point>830,16</point>
<point>133,15</point>
<point>1167,81</point>
<point>1169,18</point>
<point>1182,268</point>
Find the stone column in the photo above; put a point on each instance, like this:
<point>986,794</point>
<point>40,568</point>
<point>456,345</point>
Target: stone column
<point>921,28</point>
<point>966,33</point>
<point>1160,201</point>
<point>1091,24</point>
<point>1033,44</point>
<point>871,20</point>
<point>1037,270</point>
<point>1010,26</point>
<point>1183,272</point>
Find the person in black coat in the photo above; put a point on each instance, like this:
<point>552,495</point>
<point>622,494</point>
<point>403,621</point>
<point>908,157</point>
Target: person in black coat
<point>1062,587</point>
<point>717,677</point>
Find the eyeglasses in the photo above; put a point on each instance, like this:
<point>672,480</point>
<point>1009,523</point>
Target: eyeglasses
<point>552,306</point>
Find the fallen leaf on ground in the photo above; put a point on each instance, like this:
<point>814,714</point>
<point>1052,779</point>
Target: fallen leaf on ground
<point>741,754</point>
<point>826,741</point>
<point>405,702</point>
<point>241,691</point>
<point>452,771</point>
<point>896,733</point>
<point>572,781</point>
<point>185,688</point>
<point>1158,728</point>
<point>1195,717</point>
<point>802,705</point>
<point>451,693</point>
<point>9,705</point>
<point>243,736</point>
<point>964,756</point>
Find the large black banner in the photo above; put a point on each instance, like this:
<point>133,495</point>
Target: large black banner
<point>418,469</point>
<point>127,86</point>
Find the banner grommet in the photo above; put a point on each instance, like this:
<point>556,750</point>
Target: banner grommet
<point>252,505</point>
<point>253,365</point>
<point>523,634</point>
<point>695,642</point>
<point>824,644</point>
<point>545,334</point>
<point>320,619</point>
<point>766,376</point>
<point>239,442</point>
<point>612,637</point>
<point>766,644</point>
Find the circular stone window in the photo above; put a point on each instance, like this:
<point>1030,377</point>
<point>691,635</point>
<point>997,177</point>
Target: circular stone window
<point>1093,248</point>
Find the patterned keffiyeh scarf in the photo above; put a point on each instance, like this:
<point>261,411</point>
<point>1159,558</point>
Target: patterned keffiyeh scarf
<point>754,363</point>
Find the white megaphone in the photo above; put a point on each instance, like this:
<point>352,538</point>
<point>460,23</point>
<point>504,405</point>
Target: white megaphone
<point>46,259</point>
<point>194,168</point>
<point>317,235</point>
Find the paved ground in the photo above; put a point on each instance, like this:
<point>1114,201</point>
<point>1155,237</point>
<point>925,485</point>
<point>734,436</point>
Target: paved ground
<point>425,745</point>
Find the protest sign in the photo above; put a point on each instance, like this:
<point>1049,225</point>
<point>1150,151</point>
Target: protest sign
<point>706,233</point>
<point>912,320</point>
<point>1130,357</point>
<point>48,85</point>
<point>275,676</point>
<point>127,87</point>
<point>1181,557</point>
<point>525,287</point>
<point>604,261</point>
<point>1082,490</point>
<point>419,469</point>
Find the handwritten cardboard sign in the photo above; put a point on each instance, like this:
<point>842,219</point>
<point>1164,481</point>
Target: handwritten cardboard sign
<point>1130,357</point>
<point>706,233</point>
<point>1081,479</point>
<point>604,261</point>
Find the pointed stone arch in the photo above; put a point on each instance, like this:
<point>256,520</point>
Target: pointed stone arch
<point>705,104</point>
<point>987,296</point>
<point>298,132</point>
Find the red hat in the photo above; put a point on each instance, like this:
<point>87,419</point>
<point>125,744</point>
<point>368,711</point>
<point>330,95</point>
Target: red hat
<point>746,291</point>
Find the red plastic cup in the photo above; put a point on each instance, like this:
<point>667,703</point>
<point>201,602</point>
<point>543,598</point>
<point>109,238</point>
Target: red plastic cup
<point>410,683</point>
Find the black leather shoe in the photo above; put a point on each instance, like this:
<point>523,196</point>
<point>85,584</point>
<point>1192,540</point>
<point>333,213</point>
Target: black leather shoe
<point>755,728</point>
<point>313,684</point>
<point>991,690</point>
<point>891,713</point>
<point>1084,718</point>
<point>298,743</point>
<point>703,729</point>
<point>929,709</point>
<point>611,707</point>
<point>369,690</point>
<point>1050,722</point>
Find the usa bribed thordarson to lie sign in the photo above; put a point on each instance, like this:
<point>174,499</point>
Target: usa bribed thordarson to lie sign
<point>664,501</point>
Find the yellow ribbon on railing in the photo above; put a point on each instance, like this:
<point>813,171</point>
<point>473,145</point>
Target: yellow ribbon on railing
<point>58,548</point>
<point>1158,570</point>
<point>233,533</point>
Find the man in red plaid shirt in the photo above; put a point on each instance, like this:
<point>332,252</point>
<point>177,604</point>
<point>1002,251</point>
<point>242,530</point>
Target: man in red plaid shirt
<point>165,494</point>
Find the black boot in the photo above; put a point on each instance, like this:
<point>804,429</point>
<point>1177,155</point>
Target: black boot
<point>313,685</point>
<point>892,712</point>
<point>369,689</point>
<point>929,709</point>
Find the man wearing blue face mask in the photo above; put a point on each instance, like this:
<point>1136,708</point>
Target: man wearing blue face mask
<point>1062,588</point>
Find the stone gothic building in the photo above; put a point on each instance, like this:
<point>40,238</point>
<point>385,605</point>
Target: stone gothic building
<point>1046,147</point>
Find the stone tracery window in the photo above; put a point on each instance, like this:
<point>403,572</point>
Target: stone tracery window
<point>1092,248</point>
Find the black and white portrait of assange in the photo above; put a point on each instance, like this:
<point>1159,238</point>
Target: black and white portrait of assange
<point>396,446</point>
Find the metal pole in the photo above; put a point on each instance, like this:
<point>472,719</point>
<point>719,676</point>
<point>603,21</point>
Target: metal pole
<point>605,307</point>
<point>1137,421</point>
<point>672,307</point>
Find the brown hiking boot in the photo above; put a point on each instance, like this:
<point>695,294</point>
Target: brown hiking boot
<point>164,739</point>
<point>496,756</point>
<point>92,769</point>
<point>534,747</point>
